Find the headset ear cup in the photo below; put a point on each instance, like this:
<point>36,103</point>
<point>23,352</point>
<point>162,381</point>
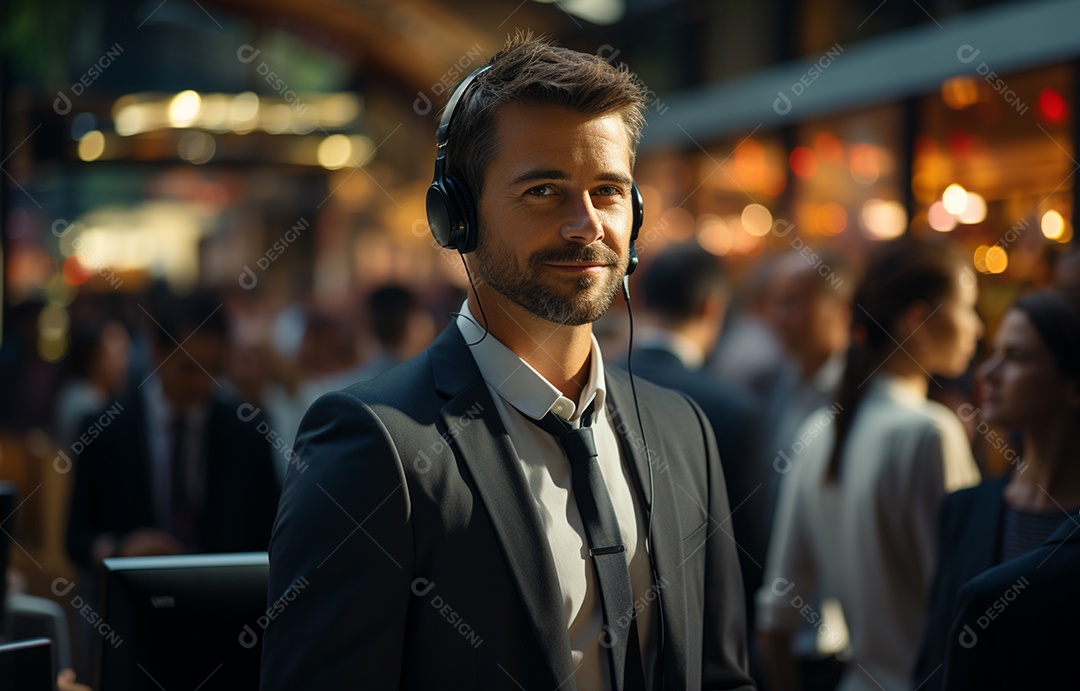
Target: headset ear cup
<point>465,225</point>
<point>638,211</point>
<point>440,215</point>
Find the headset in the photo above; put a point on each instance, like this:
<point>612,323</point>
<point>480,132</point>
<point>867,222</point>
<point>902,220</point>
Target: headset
<point>451,210</point>
<point>451,213</point>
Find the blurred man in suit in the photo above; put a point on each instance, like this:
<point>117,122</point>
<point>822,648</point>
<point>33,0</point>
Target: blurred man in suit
<point>174,466</point>
<point>686,297</point>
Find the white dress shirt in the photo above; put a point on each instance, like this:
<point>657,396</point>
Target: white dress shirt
<point>871,539</point>
<point>521,392</point>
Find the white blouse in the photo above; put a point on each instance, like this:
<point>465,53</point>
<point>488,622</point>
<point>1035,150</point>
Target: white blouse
<point>869,540</point>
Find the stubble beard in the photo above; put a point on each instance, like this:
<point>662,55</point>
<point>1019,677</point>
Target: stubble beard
<point>590,296</point>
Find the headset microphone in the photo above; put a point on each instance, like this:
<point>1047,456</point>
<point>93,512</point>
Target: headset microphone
<point>451,209</point>
<point>452,217</point>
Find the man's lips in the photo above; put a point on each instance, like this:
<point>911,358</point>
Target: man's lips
<point>579,268</point>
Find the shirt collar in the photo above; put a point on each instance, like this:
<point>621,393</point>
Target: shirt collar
<point>521,385</point>
<point>827,378</point>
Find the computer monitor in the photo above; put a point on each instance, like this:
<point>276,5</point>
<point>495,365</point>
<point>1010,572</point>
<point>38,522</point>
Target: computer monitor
<point>183,622</point>
<point>27,665</point>
<point>8,494</point>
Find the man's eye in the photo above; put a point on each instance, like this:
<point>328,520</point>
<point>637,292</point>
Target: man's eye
<point>541,191</point>
<point>609,191</point>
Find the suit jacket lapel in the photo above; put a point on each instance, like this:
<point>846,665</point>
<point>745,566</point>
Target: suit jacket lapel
<point>473,427</point>
<point>665,543</point>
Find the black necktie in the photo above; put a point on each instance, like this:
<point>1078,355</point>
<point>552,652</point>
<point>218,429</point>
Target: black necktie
<point>182,510</point>
<point>605,547</point>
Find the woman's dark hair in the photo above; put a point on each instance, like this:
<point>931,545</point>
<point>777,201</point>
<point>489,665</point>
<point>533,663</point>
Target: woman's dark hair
<point>1055,314</point>
<point>898,274</point>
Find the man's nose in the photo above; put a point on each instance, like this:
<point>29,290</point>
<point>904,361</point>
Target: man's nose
<point>584,225</point>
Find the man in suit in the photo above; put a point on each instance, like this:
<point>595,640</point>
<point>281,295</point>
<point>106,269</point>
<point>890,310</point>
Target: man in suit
<point>686,297</point>
<point>175,466</point>
<point>1003,635</point>
<point>439,537</point>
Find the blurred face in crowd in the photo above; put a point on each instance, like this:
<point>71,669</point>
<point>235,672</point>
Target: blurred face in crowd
<point>810,319</point>
<point>1020,383</point>
<point>114,356</point>
<point>945,343</point>
<point>187,374</point>
<point>555,213</point>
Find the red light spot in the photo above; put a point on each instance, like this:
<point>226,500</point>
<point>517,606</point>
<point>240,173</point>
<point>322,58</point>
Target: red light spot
<point>803,161</point>
<point>74,273</point>
<point>960,144</point>
<point>1052,106</point>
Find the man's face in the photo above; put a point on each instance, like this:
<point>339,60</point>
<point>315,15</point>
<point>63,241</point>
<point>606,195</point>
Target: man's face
<point>186,375</point>
<point>809,320</point>
<point>555,214</point>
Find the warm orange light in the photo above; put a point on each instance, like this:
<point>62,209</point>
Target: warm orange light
<point>959,92</point>
<point>828,147</point>
<point>803,161</point>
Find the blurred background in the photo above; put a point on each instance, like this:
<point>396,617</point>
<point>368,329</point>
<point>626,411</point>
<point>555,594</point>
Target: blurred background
<point>277,153</point>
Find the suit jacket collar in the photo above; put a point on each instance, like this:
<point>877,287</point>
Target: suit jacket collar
<point>471,424</point>
<point>988,504</point>
<point>658,492</point>
<point>473,427</point>
<point>1069,531</point>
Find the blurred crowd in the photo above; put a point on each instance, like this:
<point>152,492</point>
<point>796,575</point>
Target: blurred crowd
<point>875,462</point>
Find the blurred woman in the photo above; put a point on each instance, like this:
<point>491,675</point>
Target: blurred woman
<point>857,518</point>
<point>1031,385</point>
<point>98,361</point>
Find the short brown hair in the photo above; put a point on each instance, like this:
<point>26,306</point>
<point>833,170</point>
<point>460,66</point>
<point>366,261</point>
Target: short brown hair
<point>535,71</point>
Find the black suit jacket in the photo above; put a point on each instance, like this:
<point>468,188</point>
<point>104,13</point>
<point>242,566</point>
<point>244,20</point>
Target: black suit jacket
<point>416,557</point>
<point>970,543</point>
<point>1015,625</point>
<point>113,486</point>
<point>734,416</point>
